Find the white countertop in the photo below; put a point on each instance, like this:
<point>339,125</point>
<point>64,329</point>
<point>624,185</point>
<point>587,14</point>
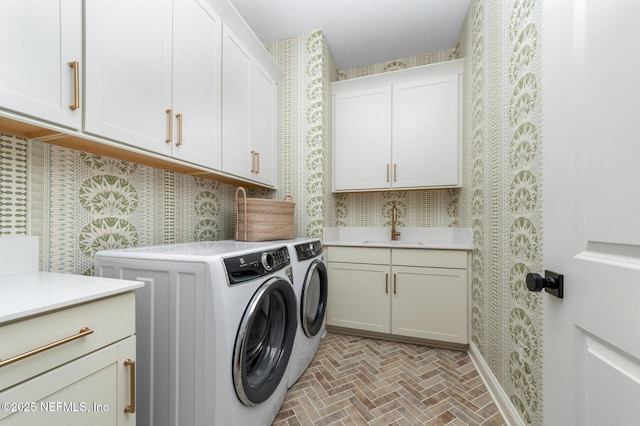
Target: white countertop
<point>410,237</point>
<point>30,293</point>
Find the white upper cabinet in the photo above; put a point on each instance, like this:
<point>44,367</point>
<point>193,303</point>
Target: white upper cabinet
<point>236,103</point>
<point>425,147</point>
<point>142,80</point>
<point>153,76</point>
<point>265,127</point>
<point>128,71</point>
<point>362,136</point>
<point>197,36</point>
<point>41,44</point>
<point>249,114</point>
<point>398,130</point>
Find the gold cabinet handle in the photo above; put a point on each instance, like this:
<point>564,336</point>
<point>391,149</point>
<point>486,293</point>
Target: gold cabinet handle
<point>76,85</point>
<point>255,162</point>
<point>395,283</point>
<point>387,172</point>
<point>395,172</point>
<point>131,408</point>
<point>84,331</point>
<point>179,117</point>
<point>386,283</point>
<point>170,119</point>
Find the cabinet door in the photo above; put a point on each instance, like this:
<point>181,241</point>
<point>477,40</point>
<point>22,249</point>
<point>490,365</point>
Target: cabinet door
<point>425,133</point>
<point>359,296</point>
<point>430,303</point>
<point>236,106</point>
<point>197,36</point>
<point>92,390</point>
<point>38,38</point>
<point>362,139</point>
<point>128,71</point>
<point>265,127</point>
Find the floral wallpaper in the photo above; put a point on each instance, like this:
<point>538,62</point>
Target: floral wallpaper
<point>502,198</point>
<point>305,126</point>
<point>78,203</point>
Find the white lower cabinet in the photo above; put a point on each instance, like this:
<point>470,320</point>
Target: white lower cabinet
<point>413,293</point>
<point>88,379</point>
<point>359,296</point>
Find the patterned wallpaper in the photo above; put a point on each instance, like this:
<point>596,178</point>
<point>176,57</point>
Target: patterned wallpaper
<point>502,200</point>
<point>305,126</point>
<point>79,203</point>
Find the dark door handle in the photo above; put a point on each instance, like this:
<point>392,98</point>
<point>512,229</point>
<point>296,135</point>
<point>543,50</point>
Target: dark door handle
<point>552,283</point>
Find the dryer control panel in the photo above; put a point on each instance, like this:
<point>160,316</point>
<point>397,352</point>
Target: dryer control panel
<point>251,266</point>
<point>309,250</point>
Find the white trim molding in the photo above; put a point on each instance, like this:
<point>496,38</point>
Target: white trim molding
<point>500,397</point>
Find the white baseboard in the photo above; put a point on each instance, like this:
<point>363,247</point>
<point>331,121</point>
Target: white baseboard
<point>500,397</point>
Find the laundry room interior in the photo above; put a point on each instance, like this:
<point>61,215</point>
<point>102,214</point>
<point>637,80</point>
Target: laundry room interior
<point>80,198</point>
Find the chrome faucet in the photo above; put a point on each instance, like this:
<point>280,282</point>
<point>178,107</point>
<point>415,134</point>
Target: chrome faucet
<point>394,219</point>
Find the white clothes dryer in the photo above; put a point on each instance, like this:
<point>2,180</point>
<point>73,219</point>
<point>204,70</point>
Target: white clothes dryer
<point>310,282</point>
<point>215,327</point>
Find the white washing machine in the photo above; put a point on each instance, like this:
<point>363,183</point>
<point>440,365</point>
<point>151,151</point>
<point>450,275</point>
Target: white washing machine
<point>215,328</point>
<point>310,282</point>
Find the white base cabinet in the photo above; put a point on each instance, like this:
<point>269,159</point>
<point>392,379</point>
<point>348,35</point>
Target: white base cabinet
<point>359,296</point>
<point>413,293</point>
<point>84,391</point>
<point>87,380</point>
<point>429,303</point>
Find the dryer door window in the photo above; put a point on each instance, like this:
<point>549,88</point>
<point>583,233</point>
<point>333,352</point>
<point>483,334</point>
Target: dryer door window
<point>314,299</point>
<point>264,341</point>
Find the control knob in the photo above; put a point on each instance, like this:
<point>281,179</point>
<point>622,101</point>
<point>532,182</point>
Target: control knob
<point>267,261</point>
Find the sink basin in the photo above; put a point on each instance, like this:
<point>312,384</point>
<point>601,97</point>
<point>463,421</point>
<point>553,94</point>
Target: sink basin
<point>393,243</point>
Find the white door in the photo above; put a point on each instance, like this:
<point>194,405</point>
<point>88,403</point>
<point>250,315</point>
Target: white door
<point>592,211</point>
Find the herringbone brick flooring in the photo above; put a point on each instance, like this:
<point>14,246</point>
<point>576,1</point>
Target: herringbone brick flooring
<point>361,381</point>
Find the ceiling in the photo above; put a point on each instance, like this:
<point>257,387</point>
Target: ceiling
<point>361,32</point>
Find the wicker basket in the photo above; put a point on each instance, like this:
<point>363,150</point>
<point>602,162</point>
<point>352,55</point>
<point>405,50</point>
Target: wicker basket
<point>260,219</point>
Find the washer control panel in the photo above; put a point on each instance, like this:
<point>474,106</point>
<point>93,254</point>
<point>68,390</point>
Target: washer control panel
<point>309,250</point>
<point>251,266</point>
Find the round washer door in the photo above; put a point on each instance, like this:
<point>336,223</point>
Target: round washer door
<point>313,302</point>
<point>264,341</point>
